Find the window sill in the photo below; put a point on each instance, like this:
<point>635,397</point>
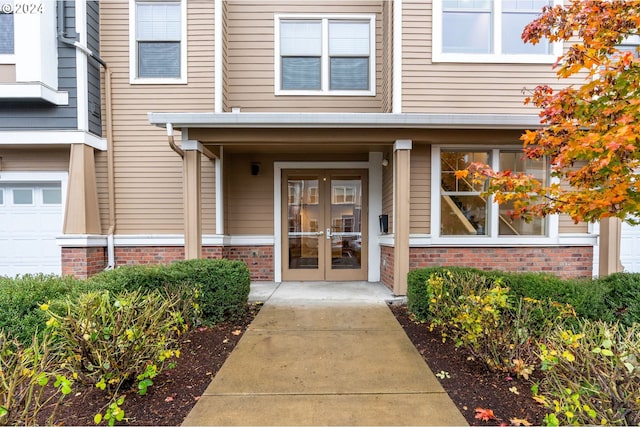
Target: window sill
<point>493,58</point>
<point>158,81</point>
<point>280,92</point>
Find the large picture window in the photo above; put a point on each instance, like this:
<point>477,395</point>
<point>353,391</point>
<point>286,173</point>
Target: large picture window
<point>465,211</point>
<point>325,55</point>
<point>488,30</point>
<point>158,50</point>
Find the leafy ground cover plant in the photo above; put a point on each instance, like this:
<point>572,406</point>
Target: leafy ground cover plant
<point>592,375</point>
<point>25,371</point>
<point>116,341</point>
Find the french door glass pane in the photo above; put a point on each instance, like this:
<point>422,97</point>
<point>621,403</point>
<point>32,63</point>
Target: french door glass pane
<point>349,73</point>
<point>159,59</point>
<point>304,215</point>
<point>300,73</point>
<point>346,224</point>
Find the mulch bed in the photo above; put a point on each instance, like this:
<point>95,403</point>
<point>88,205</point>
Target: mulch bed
<point>469,384</point>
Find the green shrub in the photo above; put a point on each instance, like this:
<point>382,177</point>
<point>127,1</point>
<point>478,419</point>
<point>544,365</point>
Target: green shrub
<point>24,373</point>
<point>113,341</point>
<point>132,278</point>
<point>21,296</point>
<point>417,297</point>
<point>592,375</point>
<point>621,297</point>
<point>224,284</point>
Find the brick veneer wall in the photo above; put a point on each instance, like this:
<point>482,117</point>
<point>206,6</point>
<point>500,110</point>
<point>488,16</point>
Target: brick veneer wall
<point>563,261</point>
<point>386,266</point>
<point>258,258</point>
<point>83,262</point>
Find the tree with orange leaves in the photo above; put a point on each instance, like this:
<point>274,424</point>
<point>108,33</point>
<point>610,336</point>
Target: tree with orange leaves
<point>591,133</point>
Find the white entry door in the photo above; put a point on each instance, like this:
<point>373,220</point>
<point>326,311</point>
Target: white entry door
<point>30,221</point>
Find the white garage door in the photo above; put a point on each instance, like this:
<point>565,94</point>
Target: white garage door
<point>630,248</point>
<point>30,221</point>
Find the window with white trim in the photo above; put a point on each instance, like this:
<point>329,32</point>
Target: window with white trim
<point>464,211</point>
<point>158,36</point>
<point>7,34</point>
<point>488,31</point>
<point>328,55</point>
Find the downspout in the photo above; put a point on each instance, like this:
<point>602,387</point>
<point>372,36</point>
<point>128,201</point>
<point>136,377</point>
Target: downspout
<point>172,142</point>
<point>62,37</point>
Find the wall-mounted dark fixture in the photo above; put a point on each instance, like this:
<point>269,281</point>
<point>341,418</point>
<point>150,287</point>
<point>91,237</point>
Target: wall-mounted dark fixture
<point>384,223</point>
<point>255,168</point>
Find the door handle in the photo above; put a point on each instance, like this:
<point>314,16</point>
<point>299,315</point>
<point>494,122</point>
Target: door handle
<point>319,233</point>
<point>329,233</point>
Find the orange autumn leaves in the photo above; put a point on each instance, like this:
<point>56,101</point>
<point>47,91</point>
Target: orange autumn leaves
<point>591,133</point>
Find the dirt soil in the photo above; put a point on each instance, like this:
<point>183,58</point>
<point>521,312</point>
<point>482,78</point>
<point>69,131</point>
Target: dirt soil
<point>177,390</point>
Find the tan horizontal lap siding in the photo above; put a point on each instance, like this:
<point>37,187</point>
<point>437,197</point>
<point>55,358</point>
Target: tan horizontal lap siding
<point>567,225</point>
<point>250,60</point>
<point>420,212</point>
<point>148,174</point>
<point>465,88</point>
<point>32,159</point>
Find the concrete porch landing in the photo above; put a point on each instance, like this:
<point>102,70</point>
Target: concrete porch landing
<point>324,354</point>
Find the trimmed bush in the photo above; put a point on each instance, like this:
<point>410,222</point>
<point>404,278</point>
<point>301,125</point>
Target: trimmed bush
<point>132,278</point>
<point>224,284</point>
<point>622,299</point>
<point>21,296</point>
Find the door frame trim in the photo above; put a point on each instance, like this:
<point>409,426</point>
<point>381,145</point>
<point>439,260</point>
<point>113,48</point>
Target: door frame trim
<point>374,250</point>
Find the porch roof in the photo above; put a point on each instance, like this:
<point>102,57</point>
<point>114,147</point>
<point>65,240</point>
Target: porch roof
<point>344,120</point>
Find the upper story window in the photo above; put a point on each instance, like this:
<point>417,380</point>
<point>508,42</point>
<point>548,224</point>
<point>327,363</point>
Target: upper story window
<point>6,32</point>
<point>488,31</point>
<point>328,55</point>
<point>465,211</point>
<point>158,51</point>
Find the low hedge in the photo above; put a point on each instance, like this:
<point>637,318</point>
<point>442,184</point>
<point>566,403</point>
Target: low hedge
<point>20,297</point>
<point>224,283</point>
<point>612,298</point>
<point>220,287</point>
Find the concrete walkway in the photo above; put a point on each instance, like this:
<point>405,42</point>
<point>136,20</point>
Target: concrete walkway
<point>324,354</point>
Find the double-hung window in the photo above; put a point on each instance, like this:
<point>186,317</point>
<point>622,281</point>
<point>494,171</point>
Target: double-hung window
<point>332,55</point>
<point>463,209</point>
<point>7,30</point>
<point>158,41</point>
<point>488,31</point>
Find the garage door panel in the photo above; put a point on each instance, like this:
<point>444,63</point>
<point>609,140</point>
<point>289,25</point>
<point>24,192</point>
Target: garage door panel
<point>28,231</point>
<point>630,248</point>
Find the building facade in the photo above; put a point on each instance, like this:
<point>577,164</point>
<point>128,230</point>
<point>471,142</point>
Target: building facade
<point>50,123</point>
<point>312,140</point>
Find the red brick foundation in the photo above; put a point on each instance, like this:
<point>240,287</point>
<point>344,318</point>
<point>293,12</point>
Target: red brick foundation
<point>563,261</point>
<point>258,258</point>
<point>83,262</point>
<point>386,266</point>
